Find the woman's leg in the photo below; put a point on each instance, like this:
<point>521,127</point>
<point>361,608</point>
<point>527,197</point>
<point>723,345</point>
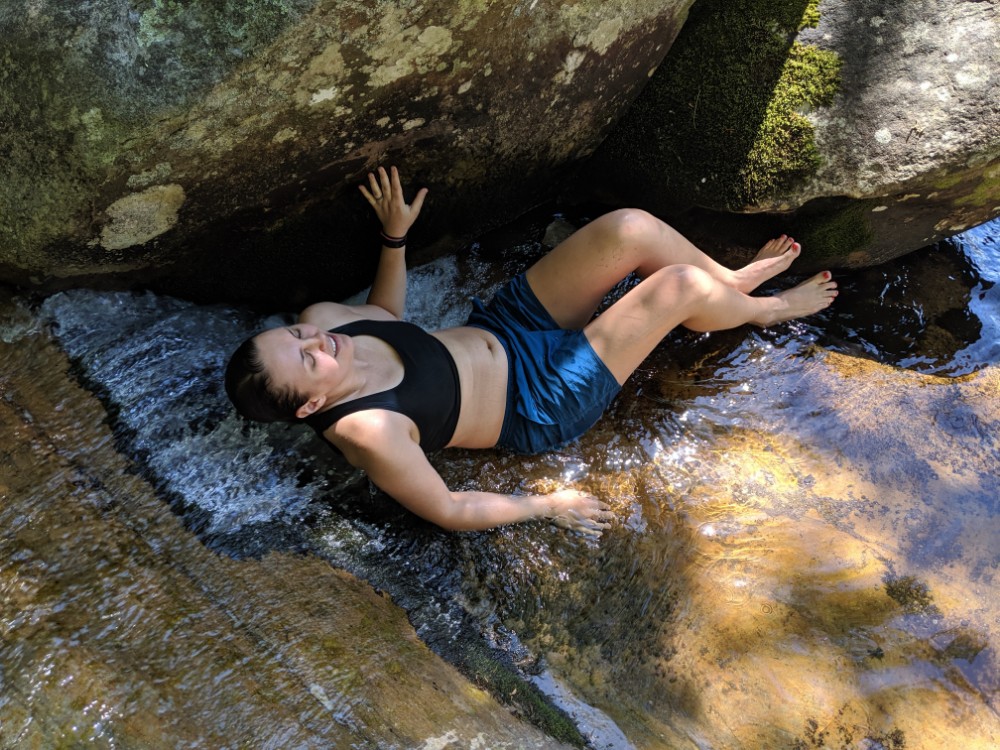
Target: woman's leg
<point>571,281</point>
<point>625,334</point>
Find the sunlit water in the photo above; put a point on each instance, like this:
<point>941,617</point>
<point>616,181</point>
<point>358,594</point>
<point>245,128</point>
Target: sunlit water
<point>808,525</point>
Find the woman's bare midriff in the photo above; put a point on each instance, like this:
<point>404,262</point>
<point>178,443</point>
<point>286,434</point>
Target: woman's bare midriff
<point>482,372</point>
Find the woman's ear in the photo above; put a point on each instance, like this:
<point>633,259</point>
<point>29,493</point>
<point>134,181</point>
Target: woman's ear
<point>311,406</point>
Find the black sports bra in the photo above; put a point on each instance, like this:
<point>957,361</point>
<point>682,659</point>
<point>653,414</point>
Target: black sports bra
<point>429,392</point>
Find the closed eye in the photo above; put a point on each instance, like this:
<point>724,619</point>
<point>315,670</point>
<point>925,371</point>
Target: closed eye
<point>308,360</point>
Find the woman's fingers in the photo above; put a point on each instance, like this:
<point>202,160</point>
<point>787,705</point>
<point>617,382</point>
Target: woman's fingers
<point>376,190</point>
<point>386,184</point>
<point>379,190</point>
<point>418,201</point>
<point>585,514</point>
<point>586,526</point>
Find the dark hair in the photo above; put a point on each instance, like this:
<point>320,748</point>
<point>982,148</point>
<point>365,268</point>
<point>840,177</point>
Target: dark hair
<point>253,394</point>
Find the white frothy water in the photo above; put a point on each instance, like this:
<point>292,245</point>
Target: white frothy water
<point>438,293</point>
<point>982,246</point>
<point>160,362</point>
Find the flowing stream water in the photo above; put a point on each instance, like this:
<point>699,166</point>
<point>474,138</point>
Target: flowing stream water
<point>805,556</point>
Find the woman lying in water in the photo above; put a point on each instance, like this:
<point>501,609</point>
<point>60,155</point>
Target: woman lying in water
<point>529,371</point>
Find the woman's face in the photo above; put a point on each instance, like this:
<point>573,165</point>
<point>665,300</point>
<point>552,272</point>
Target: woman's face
<point>308,360</point>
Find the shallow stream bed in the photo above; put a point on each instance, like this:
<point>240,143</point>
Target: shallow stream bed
<point>805,556</point>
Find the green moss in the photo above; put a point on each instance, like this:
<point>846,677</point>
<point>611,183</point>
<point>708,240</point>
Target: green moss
<point>911,594</point>
<point>986,193</point>
<point>833,233</point>
<point>785,147</point>
<point>949,181</point>
<point>58,145</point>
<point>525,698</point>
<point>725,113</point>
<point>247,24</point>
<point>978,187</point>
<point>810,16</point>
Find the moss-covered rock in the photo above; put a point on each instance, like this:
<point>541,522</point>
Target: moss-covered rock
<point>807,107</point>
<point>723,120</point>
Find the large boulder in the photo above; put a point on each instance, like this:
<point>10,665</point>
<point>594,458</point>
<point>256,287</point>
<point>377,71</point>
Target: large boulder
<point>214,148</point>
<point>867,128</point>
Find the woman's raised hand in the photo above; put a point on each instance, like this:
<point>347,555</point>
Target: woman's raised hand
<point>385,194</point>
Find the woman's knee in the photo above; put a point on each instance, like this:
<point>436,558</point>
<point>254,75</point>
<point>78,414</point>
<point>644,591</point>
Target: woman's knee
<point>681,284</point>
<point>631,226</point>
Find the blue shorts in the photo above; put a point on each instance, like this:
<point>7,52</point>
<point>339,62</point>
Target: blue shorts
<point>557,386</point>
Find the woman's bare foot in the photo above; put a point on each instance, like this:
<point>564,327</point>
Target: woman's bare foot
<point>774,258</point>
<point>809,297</point>
<point>776,247</point>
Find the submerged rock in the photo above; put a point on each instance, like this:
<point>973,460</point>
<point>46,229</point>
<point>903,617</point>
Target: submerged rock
<point>215,149</point>
<point>121,629</point>
<point>875,123</point>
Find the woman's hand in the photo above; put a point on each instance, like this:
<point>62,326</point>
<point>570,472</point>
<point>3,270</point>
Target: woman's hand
<point>385,195</point>
<point>579,511</point>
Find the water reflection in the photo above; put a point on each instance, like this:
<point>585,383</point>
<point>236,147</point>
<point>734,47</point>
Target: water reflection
<point>810,521</point>
<point>808,515</point>
<point>936,313</point>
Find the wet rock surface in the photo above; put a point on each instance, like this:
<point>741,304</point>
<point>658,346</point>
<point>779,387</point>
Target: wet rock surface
<point>120,629</point>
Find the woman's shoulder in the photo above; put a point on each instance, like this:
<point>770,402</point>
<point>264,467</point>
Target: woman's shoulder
<point>327,315</point>
<point>370,431</point>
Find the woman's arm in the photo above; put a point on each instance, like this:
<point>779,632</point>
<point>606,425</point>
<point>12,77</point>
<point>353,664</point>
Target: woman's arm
<point>387,298</point>
<point>385,194</point>
<point>382,445</point>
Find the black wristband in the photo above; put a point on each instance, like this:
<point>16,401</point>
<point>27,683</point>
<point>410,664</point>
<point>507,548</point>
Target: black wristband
<point>388,241</point>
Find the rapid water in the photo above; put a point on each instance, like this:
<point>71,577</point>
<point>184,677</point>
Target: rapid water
<point>808,516</point>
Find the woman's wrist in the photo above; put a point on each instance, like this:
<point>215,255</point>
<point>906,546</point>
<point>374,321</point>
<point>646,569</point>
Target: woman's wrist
<point>391,240</point>
<point>543,507</point>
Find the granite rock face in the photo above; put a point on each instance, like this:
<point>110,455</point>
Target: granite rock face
<point>213,149</point>
<point>869,128</point>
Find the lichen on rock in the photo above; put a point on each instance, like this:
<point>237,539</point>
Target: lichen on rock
<point>140,217</point>
<point>268,113</point>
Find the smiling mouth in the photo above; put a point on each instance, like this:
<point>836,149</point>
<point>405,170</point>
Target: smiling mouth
<point>333,345</point>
